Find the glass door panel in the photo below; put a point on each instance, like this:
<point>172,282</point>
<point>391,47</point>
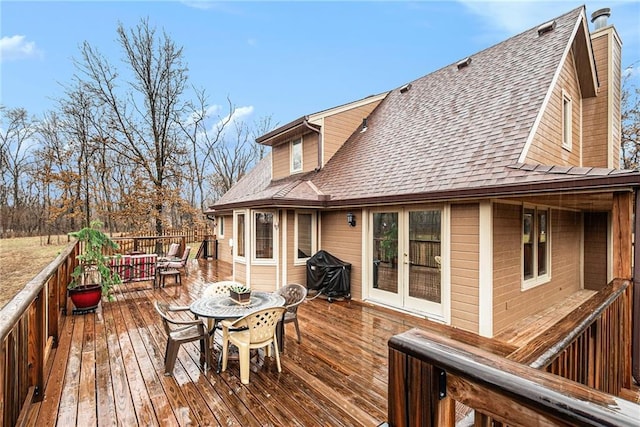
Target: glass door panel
<point>424,272</point>
<point>385,256</point>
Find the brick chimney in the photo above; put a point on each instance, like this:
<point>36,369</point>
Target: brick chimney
<point>601,116</point>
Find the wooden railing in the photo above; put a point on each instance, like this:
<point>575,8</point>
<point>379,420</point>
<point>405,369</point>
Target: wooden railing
<point>534,383</point>
<point>149,244</point>
<point>30,326</point>
<point>592,345</point>
<point>428,372</point>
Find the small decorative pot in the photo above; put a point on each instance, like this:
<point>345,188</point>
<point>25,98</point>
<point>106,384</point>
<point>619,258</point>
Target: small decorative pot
<point>240,298</point>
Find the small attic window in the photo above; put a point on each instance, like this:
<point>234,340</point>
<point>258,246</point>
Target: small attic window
<point>546,27</point>
<point>464,63</point>
<point>405,88</point>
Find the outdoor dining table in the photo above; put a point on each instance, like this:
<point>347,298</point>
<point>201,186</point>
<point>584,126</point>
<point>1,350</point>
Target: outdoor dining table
<point>219,307</point>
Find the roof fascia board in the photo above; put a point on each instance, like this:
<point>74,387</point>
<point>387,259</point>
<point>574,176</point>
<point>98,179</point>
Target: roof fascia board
<point>554,81</point>
<point>626,182</point>
<point>314,118</point>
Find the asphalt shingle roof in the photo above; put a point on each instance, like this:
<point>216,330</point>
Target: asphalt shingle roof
<point>454,129</point>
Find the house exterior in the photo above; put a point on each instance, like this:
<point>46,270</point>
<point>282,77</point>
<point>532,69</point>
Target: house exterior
<point>481,193</point>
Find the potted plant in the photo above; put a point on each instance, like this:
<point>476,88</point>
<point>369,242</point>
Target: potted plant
<point>240,294</point>
<point>92,278</point>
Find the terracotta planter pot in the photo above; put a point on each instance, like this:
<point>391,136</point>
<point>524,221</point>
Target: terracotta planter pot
<point>86,297</point>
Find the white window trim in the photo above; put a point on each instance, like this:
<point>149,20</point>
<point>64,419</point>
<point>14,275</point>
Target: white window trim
<point>292,143</point>
<point>236,257</point>
<point>536,280</point>
<point>264,261</point>
<point>303,261</point>
<point>221,226</point>
<point>567,143</point>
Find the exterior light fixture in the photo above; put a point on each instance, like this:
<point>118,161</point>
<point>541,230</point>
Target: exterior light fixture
<point>351,219</point>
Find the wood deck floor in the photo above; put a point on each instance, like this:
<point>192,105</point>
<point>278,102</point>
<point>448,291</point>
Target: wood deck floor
<point>108,367</point>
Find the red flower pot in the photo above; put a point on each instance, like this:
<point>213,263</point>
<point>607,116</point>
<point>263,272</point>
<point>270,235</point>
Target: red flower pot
<point>86,297</point>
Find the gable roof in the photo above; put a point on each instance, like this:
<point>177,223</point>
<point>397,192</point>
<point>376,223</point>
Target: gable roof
<point>457,132</point>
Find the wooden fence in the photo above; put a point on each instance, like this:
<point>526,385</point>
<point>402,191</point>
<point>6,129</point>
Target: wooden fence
<point>571,375</point>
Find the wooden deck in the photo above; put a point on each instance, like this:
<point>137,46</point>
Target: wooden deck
<point>108,367</point>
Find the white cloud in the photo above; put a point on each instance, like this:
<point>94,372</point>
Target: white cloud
<point>198,4</point>
<point>16,47</point>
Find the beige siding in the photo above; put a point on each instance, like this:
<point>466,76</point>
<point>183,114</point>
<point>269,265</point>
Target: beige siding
<point>240,272</point>
<point>546,147</point>
<point>280,165</point>
<point>601,122</point>
<point>344,242</point>
<point>295,273</point>
<point>595,123</point>
<point>263,277</point>
<point>615,98</point>
<point>465,223</point>
<point>595,250</point>
<point>338,127</point>
<point>309,152</point>
<point>510,302</point>
<point>224,250</point>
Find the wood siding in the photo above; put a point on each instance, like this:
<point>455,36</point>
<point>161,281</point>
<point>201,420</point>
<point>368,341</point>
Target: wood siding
<point>465,266</point>
<point>510,302</point>
<point>547,142</point>
<point>344,242</point>
<point>240,272</point>
<point>281,156</point>
<point>295,273</point>
<point>224,250</point>
<point>601,121</point>
<point>595,250</point>
<point>280,161</point>
<point>264,277</point>
<point>338,127</point>
<point>309,152</point>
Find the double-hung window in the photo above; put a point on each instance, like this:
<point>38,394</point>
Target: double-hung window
<point>296,155</point>
<point>221,226</point>
<point>305,239</point>
<point>535,247</point>
<point>263,236</point>
<point>240,236</point>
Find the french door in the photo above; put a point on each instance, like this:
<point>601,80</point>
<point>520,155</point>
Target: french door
<point>406,259</point>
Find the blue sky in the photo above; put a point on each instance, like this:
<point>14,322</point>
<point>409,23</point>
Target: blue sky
<point>284,59</point>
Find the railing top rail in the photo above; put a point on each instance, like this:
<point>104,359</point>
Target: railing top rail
<point>148,237</point>
<point>14,309</point>
<point>549,393</point>
<point>539,352</point>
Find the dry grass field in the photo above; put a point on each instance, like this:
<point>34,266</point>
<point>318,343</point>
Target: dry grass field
<point>22,258</point>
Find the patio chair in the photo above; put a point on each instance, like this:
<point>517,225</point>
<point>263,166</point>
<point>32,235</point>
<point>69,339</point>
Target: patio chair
<point>293,294</point>
<point>260,332</point>
<point>173,265</point>
<point>171,253</point>
<point>180,332</point>
<point>219,288</point>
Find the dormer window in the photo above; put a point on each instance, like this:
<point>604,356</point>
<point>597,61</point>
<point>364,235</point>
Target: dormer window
<point>296,155</point>
<point>566,121</point>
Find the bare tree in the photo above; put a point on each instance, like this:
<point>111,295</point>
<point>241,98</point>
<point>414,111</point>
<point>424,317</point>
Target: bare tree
<point>203,136</point>
<point>142,114</point>
<point>630,135</point>
<point>16,130</point>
